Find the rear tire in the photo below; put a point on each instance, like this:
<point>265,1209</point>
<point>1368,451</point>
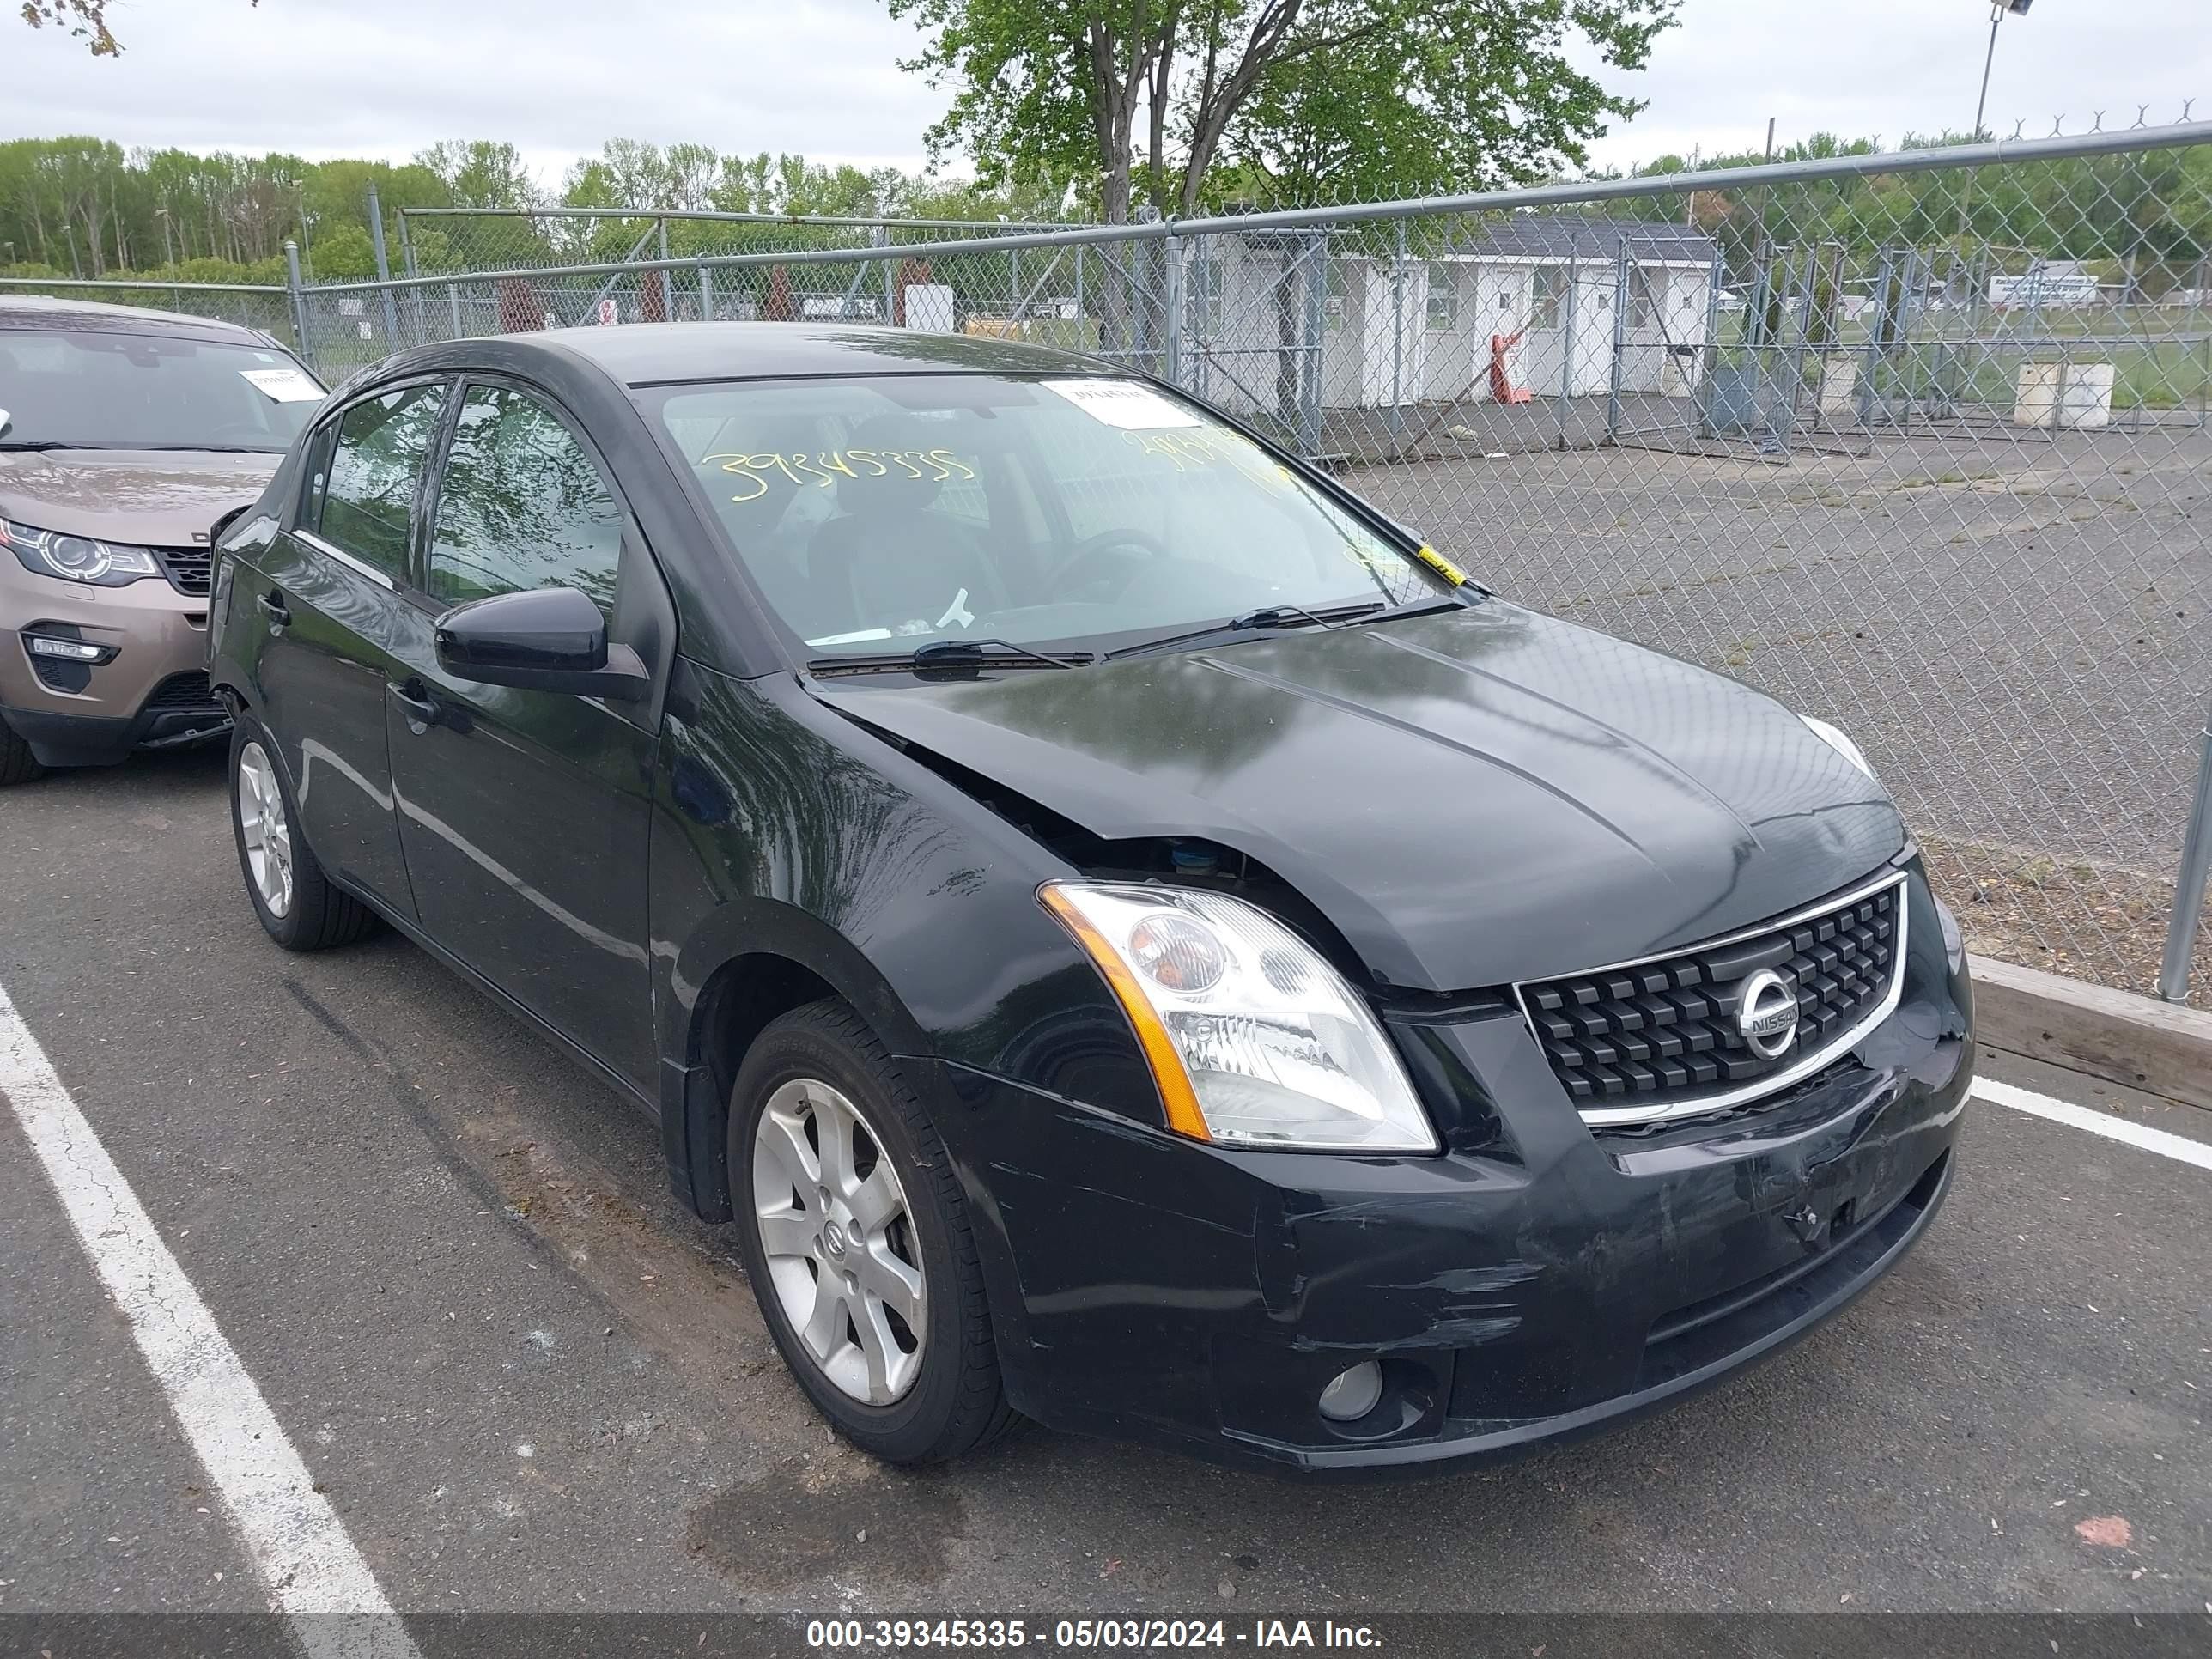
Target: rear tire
<point>17,763</point>
<point>941,1396</point>
<point>299,906</point>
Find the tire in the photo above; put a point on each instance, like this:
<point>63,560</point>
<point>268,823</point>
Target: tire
<point>17,763</point>
<point>304,911</point>
<point>952,1401</point>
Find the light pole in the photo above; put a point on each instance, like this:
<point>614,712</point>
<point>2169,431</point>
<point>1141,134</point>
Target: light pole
<point>1998,10</point>
<point>169,241</point>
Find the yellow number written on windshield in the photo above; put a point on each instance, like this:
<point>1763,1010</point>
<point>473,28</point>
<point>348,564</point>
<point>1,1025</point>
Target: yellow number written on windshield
<point>823,468</point>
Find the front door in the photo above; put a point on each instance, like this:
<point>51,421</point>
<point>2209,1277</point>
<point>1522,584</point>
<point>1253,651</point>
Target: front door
<point>524,814</point>
<point>321,603</point>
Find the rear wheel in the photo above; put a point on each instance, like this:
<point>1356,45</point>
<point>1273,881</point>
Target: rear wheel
<point>856,1236</point>
<point>17,763</point>
<point>299,906</point>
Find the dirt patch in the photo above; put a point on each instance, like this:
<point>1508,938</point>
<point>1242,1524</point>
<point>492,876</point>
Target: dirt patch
<point>2064,915</point>
<point>832,1514</point>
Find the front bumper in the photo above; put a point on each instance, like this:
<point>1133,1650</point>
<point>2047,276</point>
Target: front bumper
<point>153,692</point>
<point>1539,1280</point>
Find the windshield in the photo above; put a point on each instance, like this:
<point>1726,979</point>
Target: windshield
<point>880,514</point>
<point>102,391</point>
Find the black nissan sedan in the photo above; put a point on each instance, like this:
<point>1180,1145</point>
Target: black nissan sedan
<point>1129,935</point>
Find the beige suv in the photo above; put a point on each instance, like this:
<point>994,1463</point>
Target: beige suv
<point>126,436</point>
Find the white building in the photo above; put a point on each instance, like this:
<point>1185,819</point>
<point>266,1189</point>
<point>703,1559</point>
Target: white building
<point>1420,331</point>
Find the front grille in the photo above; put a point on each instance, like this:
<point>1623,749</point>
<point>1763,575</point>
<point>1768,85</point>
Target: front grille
<point>1661,1038</point>
<point>186,568</point>
<point>186,691</point>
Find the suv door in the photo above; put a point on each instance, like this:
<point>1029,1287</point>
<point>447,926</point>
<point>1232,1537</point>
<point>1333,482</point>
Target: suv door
<point>319,608</point>
<point>524,814</point>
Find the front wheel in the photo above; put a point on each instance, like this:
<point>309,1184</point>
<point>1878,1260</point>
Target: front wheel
<point>17,763</point>
<point>855,1235</point>
<point>298,905</point>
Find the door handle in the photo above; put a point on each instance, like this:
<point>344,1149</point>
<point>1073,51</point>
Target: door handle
<point>423,711</point>
<point>272,606</point>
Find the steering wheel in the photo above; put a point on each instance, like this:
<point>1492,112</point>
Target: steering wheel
<point>1077,576</point>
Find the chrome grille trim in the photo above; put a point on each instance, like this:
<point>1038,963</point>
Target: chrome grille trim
<point>1796,1072</point>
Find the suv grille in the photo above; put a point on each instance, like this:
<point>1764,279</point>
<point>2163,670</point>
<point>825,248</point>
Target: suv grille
<point>186,568</point>
<point>186,691</point>
<point>1661,1038</point>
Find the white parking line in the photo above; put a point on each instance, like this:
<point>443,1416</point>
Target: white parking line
<point>294,1536</point>
<point>2180,1147</point>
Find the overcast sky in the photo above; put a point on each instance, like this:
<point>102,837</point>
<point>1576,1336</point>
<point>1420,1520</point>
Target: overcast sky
<point>387,78</point>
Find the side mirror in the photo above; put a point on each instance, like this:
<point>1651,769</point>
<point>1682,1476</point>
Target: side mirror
<point>541,639</point>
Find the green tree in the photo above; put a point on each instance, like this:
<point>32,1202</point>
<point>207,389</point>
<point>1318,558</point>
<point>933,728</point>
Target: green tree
<point>1161,90</point>
<point>83,20</point>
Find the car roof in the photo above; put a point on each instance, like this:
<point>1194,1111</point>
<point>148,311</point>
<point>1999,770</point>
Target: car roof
<point>45,311</point>
<point>646,354</point>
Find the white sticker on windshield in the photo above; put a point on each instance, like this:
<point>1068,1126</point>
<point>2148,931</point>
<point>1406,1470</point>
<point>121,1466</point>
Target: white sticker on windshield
<point>285,386</point>
<point>1129,404</point>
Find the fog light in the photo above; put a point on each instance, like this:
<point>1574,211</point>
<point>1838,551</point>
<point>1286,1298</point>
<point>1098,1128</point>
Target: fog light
<point>44,645</point>
<point>1352,1394</point>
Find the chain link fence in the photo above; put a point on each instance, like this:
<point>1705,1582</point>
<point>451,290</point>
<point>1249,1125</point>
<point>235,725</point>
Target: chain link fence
<point>465,240</point>
<point>266,307</point>
<point>1918,442</point>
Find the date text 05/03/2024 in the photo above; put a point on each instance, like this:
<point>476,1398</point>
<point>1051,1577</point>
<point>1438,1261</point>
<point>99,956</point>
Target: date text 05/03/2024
<point>834,1634</point>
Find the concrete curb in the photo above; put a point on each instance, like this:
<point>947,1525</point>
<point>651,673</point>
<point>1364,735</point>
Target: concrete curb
<point>2160,1047</point>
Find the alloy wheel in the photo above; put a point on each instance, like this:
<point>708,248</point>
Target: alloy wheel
<point>264,829</point>
<point>839,1239</point>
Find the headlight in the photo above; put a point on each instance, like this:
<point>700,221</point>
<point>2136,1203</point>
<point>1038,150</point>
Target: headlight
<point>1837,741</point>
<point>1253,1038</point>
<point>78,558</point>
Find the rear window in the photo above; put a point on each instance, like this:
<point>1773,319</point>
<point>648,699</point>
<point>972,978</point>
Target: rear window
<point>117,391</point>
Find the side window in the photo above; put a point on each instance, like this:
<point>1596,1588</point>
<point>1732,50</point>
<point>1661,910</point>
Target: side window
<point>521,504</point>
<point>1551,291</point>
<point>1643,299</point>
<point>369,495</point>
<point>1443,296</point>
<point>317,481</point>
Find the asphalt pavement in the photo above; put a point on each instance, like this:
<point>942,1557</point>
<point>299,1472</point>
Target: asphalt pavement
<point>526,1381</point>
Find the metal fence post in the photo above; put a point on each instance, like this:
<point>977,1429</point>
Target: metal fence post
<point>383,268</point>
<point>420,330</point>
<point>453,305</point>
<point>1620,343</point>
<point>1171,323</point>
<point>298,301</point>
<point>706,292</point>
<point>667,283</point>
<point>1567,346</point>
<point>1317,330</point>
<point>1709,380</point>
<point>2190,887</point>
<point>1398,335</point>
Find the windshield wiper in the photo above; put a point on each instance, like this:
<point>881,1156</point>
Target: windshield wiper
<point>45,443</point>
<point>953,653</point>
<point>1250,622</point>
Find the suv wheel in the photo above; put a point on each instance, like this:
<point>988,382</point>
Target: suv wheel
<point>855,1235</point>
<point>17,763</point>
<point>298,905</point>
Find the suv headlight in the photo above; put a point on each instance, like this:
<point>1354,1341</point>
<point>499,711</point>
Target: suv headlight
<point>1842,744</point>
<point>1253,1038</point>
<point>78,558</point>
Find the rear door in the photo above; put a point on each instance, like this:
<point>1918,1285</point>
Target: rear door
<point>323,605</point>
<point>524,814</point>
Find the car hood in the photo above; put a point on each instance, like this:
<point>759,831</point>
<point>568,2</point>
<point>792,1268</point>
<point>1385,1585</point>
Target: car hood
<point>151,497</point>
<point>1472,798</point>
